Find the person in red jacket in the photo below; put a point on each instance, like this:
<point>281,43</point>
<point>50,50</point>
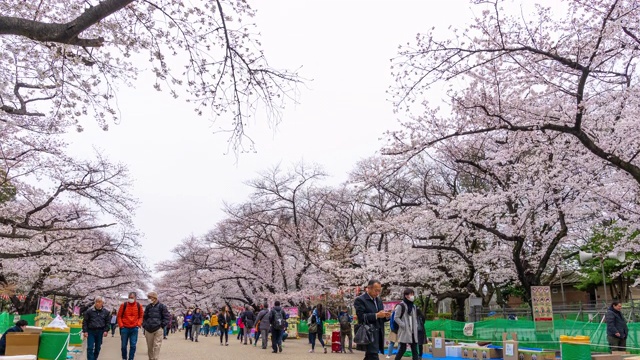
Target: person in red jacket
<point>129,321</point>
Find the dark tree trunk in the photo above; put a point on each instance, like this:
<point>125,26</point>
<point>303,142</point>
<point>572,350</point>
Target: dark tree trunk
<point>458,307</point>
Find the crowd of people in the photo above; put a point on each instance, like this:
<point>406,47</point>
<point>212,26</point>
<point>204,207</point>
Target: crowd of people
<point>407,325</point>
<point>251,325</point>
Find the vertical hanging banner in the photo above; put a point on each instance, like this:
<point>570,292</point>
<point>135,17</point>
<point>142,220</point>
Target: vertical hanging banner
<point>292,328</point>
<point>542,308</point>
<point>291,311</point>
<point>43,316</point>
<point>46,305</point>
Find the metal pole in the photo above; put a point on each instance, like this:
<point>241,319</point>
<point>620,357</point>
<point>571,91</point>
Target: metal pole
<point>633,313</point>
<point>562,289</point>
<point>604,282</point>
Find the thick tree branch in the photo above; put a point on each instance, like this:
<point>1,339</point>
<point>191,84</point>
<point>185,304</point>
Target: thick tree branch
<point>67,33</point>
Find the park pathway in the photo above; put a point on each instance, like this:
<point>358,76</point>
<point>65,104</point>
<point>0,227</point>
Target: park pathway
<point>208,348</point>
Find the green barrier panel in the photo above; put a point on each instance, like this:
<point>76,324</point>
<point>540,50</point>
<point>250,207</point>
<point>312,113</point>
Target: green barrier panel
<point>303,327</point>
<point>31,319</point>
<point>6,321</point>
<point>491,330</point>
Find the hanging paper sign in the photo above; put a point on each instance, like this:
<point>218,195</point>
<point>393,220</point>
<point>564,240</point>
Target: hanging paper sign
<point>76,311</point>
<point>46,305</point>
<point>468,329</point>
<point>508,349</point>
<point>291,311</point>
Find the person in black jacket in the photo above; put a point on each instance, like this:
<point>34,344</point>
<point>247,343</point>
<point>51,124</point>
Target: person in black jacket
<point>95,326</point>
<point>197,320</point>
<point>370,311</point>
<point>224,322</point>
<point>249,320</point>
<point>19,327</point>
<point>277,319</point>
<point>422,333</point>
<point>156,317</point>
<point>617,330</point>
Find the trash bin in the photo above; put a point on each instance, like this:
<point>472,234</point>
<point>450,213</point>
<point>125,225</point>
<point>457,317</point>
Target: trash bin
<point>75,332</point>
<point>53,344</point>
<point>575,347</point>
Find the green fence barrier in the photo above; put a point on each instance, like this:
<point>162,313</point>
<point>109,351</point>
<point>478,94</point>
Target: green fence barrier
<point>491,330</point>
<point>303,327</point>
<point>6,321</point>
<point>31,319</point>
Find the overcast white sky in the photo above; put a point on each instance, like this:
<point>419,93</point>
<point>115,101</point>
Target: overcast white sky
<point>181,174</point>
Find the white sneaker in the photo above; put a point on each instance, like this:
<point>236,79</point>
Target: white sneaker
<point>388,357</point>
<point>311,350</point>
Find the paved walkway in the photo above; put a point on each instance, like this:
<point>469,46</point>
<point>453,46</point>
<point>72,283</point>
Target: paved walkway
<point>177,348</point>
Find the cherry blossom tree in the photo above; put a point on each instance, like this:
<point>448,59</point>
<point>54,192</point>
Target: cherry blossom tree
<point>570,73</point>
<point>64,61</point>
<point>540,107</point>
<point>77,266</point>
<point>65,223</point>
<point>510,193</point>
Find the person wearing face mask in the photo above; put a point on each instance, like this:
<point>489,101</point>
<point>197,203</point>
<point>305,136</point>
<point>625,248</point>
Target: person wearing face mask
<point>156,318</point>
<point>407,319</point>
<point>129,321</point>
<point>188,325</point>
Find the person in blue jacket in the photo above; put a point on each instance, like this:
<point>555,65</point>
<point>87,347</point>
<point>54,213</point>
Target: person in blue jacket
<point>19,327</point>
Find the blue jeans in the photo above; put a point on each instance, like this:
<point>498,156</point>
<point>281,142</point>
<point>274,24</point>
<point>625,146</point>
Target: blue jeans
<point>312,340</point>
<point>128,335</point>
<point>391,346</point>
<point>94,343</point>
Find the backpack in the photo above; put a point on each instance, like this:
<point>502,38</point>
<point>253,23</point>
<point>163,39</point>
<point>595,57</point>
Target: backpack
<point>248,323</point>
<point>124,308</point>
<point>278,320</point>
<point>345,324</point>
<point>393,325</point>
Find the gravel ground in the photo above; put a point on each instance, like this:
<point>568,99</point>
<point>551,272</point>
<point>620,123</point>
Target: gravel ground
<point>177,348</point>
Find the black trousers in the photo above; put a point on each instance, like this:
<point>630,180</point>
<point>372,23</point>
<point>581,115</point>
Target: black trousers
<point>403,347</point>
<point>616,343</point>
<point>276,339</point>
<point>224,333</point>
<point>371,356</point>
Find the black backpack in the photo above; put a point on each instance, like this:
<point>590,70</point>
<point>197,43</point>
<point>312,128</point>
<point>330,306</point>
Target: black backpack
<point>278,320</point>
<point>124,308</point>
<point>345,324</point>
<point>247,319</point>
